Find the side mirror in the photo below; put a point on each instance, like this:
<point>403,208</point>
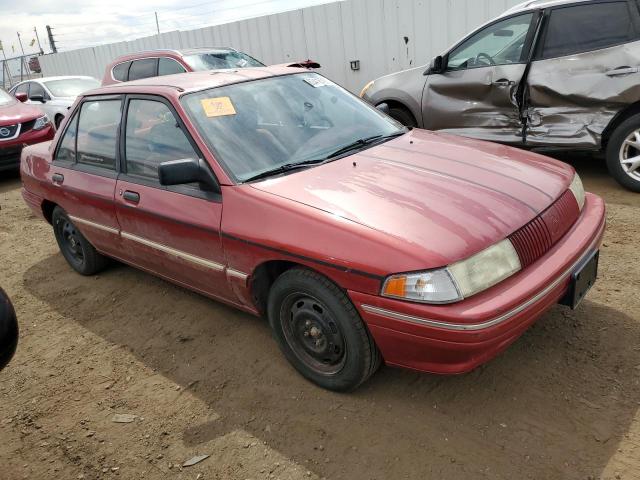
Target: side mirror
<point>22,97</point>
<point>436,65</point>
<point>37,98</point>
<point>383,107</point>
<point>187,170</point>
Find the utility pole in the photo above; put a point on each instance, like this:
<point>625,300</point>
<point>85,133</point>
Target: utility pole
<point>52,42</point>
<point>157,24</point>
<point>38,40</point>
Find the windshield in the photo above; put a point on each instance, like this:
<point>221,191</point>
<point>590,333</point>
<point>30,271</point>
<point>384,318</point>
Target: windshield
<point>219,60</point>
<point>5,98</point>
<point>71,87</point>
<point>258,126</point>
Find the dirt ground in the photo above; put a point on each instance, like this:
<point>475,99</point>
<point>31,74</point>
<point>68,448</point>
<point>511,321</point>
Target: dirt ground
<point>201,378</point>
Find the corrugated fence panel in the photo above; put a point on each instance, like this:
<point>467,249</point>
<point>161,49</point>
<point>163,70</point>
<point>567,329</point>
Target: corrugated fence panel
<point>384,35</point>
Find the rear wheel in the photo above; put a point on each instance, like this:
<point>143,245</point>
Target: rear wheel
<point>75,248</point>
<point>403,115</point>
<point>623,154</point>
<point>320,332</point>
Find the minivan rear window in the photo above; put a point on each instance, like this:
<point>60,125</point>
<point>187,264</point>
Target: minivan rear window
<point>586,27</point>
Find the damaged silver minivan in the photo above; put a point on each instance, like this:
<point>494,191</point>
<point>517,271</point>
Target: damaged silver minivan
<point>559,74</point>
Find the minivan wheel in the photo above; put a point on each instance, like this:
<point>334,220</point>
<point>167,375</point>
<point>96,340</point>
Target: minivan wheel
<point>623,154</point>
<point>75,248</point>
<point>320,332</point>
<point>403,116</point>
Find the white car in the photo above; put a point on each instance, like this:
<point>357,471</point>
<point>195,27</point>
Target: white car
<point>54,95</point>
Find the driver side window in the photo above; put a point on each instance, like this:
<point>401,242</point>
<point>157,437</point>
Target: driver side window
<point>499,44</point>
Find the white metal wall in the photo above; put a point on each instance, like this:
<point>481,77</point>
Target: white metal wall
<point>372,31</point>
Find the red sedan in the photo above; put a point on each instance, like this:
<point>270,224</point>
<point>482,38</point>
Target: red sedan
<point>278,192</point>
<point>20,125</point>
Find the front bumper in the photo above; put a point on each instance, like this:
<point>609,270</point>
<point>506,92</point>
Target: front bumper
<point>458,337</point>
<point>10,150</point>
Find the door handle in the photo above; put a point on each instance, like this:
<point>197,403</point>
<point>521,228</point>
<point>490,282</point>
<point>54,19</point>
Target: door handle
<point>57,178</point>
<point>129,196</point>
<point>503,82</point>
<point>616,72</point>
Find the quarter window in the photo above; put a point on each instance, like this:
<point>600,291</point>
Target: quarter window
<point>97,133</point>
<point>121,71</point>
<point>168,66</point>
<point>144,68</point>
<point>153,136</point>
<point>582,28</point>
<point>499,44</point>
<point>67,149</point>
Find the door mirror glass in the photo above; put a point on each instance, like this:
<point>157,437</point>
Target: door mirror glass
<point>501,43</point>
<point>21,96</point>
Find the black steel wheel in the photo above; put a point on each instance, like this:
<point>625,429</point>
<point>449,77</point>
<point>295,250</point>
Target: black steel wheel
<point>75,248</point>
<point>320,332</point>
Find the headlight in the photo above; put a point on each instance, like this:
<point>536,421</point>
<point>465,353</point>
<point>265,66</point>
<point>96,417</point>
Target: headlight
<point>577,189</point>
<point>41,122</point>
<point>459,280</point>
<point>366,87</point>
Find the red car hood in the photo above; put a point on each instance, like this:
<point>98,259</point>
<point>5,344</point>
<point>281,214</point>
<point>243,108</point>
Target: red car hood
<point>18,112</point>
<point>446,196</point>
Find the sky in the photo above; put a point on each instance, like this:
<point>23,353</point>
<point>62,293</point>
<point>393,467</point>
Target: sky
<point>84,23</point>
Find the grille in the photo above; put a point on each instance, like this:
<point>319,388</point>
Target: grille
<point>8,131</point>
<point>538,236</point>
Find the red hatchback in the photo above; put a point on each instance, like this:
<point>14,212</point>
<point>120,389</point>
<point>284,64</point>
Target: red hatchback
<point>278,192</point>
<point>20,125</point>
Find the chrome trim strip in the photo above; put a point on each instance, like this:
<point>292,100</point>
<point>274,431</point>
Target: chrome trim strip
<point>172,251</point>
<point>489,323</point>
<point>99,226</point>
<point>15,135</point>
<point>237,274</point>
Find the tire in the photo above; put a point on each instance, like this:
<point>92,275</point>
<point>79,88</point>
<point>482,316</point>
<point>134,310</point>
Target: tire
<point>618,151</point>
<point>76,249</point>
<point>320,332</point>
<point>402,115</point>
<point>57,120</point>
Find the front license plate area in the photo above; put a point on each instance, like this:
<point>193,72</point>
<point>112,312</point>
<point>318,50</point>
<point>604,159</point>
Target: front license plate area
<point>582,280</point>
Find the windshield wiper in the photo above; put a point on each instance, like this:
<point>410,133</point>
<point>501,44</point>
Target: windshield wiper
<point>363,142</point>
<point>287,167</point>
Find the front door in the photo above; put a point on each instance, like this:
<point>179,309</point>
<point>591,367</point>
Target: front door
<point>84,171</point>
<point>477,94</point>
<point>172,231</point>
<point>586,69</point>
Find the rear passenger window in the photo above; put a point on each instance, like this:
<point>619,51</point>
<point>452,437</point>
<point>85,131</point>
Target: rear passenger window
<point>97,133</point>
<point>145,68</point>
<point>586,27</point>
<point>168,66</point>
<point>153,136</point>
<point>121,71</point>
<point>67,149</point>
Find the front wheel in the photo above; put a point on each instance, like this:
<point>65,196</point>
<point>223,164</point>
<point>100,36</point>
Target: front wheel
<point>623,154</point>
<point>76,249</point>
<point>320,332</point>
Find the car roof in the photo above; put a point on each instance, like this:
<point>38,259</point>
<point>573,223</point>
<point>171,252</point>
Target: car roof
<point>538,4</point>
<point>53,78</point>
<point>170,52</point>
<point>194,81</point>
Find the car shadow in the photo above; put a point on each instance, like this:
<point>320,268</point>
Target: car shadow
<point>9,180</point>
<point>555,405</point>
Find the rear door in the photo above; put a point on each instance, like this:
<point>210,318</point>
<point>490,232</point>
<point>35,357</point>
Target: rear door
<point>172,231</point>
<point>585,70</point>
<point>476,96</point>
<point>84,170</point>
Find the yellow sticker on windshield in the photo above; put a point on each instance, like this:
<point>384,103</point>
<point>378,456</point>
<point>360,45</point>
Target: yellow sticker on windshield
<point>218,107</point>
